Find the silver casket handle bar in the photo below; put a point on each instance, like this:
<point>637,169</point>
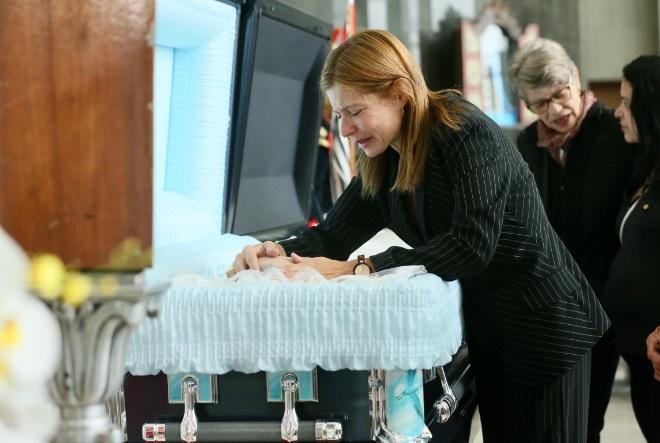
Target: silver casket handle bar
<point>258,431</point>
<point>289,425</point>
<point>445,406</point>
<point>188,426</point>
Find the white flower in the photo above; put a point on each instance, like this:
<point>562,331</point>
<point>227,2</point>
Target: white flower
<point>35,356</point>
<point>14,266</point>
<point>16,436</point>
<point>30,413</point>
<point>29,353</point>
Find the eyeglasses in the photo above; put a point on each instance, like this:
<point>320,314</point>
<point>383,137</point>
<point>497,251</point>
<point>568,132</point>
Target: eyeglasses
<point>560,97</point>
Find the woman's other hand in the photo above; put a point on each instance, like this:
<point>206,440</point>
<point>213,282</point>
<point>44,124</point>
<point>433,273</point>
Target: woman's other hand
<point>279,262</point>
<point>268,254</point>
<point>248,258</point>
<point>327,267</point>
<point>653,351</point>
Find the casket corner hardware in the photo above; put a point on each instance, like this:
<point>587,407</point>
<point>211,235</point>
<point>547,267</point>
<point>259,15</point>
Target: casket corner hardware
<point>153,432</point>
<point>188,425</point>
<point>446,405</point>
<point>289,426</point>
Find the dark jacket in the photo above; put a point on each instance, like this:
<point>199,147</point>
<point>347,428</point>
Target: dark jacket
<point>477,217</point>
<point>633,289</point>
<point>582,200</point>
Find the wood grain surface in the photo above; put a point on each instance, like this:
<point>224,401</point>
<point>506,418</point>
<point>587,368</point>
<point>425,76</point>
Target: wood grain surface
<point>76,128</point>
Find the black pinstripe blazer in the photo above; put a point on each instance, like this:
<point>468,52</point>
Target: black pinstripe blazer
<point>477,217</point>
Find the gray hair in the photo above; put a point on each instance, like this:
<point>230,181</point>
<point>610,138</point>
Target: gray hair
<point>538,64</point>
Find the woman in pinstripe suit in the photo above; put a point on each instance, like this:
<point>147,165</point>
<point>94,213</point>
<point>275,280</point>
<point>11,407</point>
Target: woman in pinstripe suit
<point>443,176</point>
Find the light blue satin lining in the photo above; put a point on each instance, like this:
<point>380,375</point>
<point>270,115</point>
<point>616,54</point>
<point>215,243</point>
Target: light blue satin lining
<point>190,23</point>
<point>207,256</point>
<point>193,81</point>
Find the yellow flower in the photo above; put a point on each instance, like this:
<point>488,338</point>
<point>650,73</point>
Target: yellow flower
<point>77,288</point>
<point>10,334</point>
<point>47,275</point>
<point>129,255</point>
<point>108,285</point>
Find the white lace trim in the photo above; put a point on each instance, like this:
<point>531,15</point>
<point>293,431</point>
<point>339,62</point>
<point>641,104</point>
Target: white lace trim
<point>306,275</point>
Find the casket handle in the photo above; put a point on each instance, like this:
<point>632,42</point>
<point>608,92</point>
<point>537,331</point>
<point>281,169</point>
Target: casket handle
<point>189,422</point>
<point>289,427</point>
<point>445,406</point>
<point>376,400</point>
<point>116,409</point>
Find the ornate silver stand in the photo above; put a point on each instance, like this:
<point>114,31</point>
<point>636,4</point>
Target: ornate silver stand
<point>94,340</point>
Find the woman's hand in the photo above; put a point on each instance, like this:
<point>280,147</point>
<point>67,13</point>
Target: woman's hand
<point>248,258</point>
<point>653,351</point>
<point>327,267</point>
<point>269,254</point>
<point>282,263</point>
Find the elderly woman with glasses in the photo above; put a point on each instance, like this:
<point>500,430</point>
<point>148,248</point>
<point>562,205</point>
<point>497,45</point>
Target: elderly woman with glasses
<point>582,165</point>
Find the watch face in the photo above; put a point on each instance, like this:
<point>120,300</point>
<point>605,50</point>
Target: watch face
<point>361,269</point>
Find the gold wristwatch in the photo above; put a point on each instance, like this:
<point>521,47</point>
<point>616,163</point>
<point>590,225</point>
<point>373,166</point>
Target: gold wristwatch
<point>361,268</point>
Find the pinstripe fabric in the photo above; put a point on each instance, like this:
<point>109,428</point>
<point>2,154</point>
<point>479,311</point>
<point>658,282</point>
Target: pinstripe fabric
<point>477,216</point>
<point>553,413</point>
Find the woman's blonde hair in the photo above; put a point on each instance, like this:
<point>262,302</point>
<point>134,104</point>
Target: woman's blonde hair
<point>371,62</point>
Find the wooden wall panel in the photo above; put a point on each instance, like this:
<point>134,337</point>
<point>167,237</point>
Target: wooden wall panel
<point>607,92</point>
<point>75,126</point>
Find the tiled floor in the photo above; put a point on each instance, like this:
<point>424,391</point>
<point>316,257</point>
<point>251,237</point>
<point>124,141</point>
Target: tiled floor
<point>620,424</point>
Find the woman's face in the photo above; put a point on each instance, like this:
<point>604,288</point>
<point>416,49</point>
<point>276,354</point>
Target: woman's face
<point>560,105</point>
<point>623,113</point>
<point>371,121</point>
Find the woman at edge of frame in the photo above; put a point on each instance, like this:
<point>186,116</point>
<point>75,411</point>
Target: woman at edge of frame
<point>444,177</point>
<point>632,294</point>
